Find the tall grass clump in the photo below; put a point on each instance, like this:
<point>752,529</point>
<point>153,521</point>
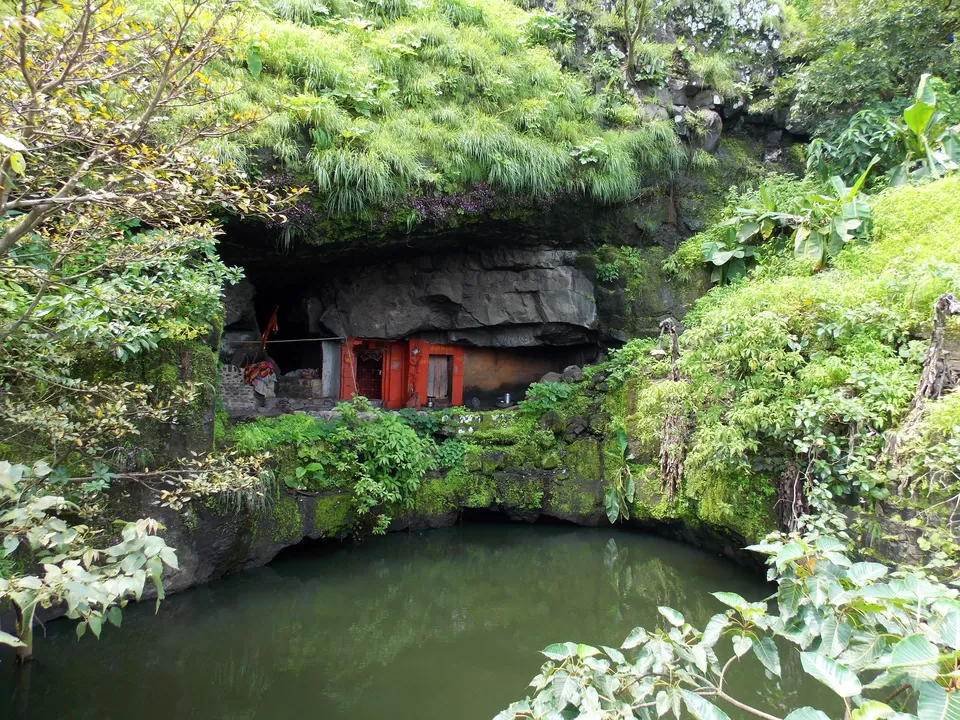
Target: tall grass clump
<point>377,102</point>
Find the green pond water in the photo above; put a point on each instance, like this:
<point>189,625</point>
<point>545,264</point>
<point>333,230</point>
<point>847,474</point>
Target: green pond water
<point>445,624</point>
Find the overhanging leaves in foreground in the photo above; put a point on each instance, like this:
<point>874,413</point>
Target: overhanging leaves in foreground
<point>863,636</point>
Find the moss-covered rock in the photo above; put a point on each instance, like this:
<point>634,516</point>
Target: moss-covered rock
<point>582,459</point>
<point>577,499</point>
<point>332,515</point>
<point>287,522</point>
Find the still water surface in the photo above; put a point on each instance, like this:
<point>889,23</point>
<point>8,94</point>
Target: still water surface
<point>446,624</point>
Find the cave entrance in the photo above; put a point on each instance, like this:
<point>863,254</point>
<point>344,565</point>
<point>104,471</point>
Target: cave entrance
<point>435,322</point>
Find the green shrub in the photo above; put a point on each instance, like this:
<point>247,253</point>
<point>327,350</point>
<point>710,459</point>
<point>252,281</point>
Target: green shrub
<point>543,397</point>
<point>374,454</point>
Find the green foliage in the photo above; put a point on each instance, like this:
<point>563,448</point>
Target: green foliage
<point>869,134</point>
<point>859,54</point>
<point>374,454</point>
<point>608,272</point>
<point>822,224</point>
<point>543,397</point>
<point>793,371</point>
<point>729,255</point>
<point>854,628</point>
<point>932,148</point>
<point>93,584</point>
<point>548,29</point>
<point>621,489</point>
<point>918,144</point>
<point>652,62</point>
<point>716,72</point>
<point>426,424</point>
<point>272,433</point>
<point>449,453</point>
<point>398,105</point>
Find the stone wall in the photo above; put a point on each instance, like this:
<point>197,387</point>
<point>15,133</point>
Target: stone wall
<point>237,397</point>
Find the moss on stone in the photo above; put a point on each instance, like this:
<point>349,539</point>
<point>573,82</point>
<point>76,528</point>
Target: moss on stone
<point>435,497</point>
<point>287,522</point>
<point>582,459</point>
<point>726,506</point>
<point>519,492</point>
<point>550,461</point>
<point>472,460</point>
<point>570,496</point>
<point>491,461</point>
<point>331,514</point>
<point>189,519</point>
<point>651,505</point>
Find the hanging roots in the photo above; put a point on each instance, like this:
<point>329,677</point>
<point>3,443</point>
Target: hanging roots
<point>676,424</point>
<point>936,377</point>
<point>673,452</point>
<point>791,498</point>
<point>669,327</point>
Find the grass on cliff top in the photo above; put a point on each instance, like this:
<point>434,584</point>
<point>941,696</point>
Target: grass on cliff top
<point>377,102</point>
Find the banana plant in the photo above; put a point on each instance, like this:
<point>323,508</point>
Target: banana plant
<point>729,255</point>
<point>831,221</point>
<point>824,223</point>
<point>622,489</point>
<point>932,147</point>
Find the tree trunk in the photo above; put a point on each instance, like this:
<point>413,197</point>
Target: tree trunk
<point>936,378</point>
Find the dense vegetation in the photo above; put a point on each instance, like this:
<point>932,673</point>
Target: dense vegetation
<point>805,380</point>
<point>379,104</point>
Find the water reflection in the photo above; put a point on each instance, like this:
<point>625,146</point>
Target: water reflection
<point>436,626</point>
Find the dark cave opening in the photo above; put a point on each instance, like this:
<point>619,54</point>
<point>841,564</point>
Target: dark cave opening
<point>493,316</point>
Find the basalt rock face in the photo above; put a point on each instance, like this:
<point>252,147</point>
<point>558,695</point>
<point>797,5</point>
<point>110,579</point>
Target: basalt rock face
<point>496,297</point>
<point>493,298</point>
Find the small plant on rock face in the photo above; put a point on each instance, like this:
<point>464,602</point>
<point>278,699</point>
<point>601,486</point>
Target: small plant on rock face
<point>548,28</point>
<point>592,152</point>
<point>608,272</point>
<point>543,397</point>
<point>622,489</point>
<point>652,62</point>
<point>449,453</point>
<point>729,255</point>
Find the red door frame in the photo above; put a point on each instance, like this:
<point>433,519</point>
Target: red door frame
<point>394,370</point>
<point>418,366</point>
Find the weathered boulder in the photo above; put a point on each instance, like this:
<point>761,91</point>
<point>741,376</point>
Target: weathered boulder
<point>552,377</point>
<point>709,136</point>
<point>238,307</point>
<point>572,373</point>
<point>495,298</point>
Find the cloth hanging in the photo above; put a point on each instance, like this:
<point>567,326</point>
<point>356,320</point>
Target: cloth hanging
<point>272,327</point>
